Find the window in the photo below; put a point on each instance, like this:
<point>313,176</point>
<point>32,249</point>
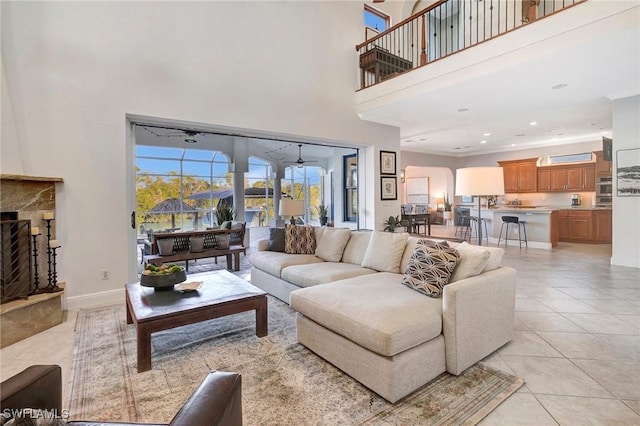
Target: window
<point>304,183</point>
<point>375,19</point>
<point>174,187</point>
<point>350,183</point>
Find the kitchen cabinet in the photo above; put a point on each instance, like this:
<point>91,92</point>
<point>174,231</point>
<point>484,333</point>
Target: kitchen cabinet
<point>603,167</point>
<point>585,226</point>
<point>563,224</point>
<point>589,178</point>
<point>602,226</point>
<point>567,178</point>
<point>520,175</point>
<point>580,225</point>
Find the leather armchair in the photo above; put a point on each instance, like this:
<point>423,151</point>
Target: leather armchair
<point>217,401</point>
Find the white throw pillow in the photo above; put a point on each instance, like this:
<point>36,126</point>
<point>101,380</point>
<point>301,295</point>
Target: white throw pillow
<point>384,252</point>
<point>495,258</point>
<point>472,261</point>
<point>332,244</point>
<point>356,247</point>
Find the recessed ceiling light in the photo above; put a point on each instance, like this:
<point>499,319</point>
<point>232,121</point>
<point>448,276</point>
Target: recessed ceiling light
<point>486,134</point>
<point>559,86</point>
<point>463,109</point>
<point>520,134</point>
<point>513,144</point>
<point>604,132</point>
<point>533,123</point>
<point>483,141</point>
<point>593,124</point>
<point>409,140</point>
<point>560,134</point>
<point>423,139</point>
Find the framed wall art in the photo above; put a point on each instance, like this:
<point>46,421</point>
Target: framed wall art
<point>387,163</point>
<point>628,172</point>
<point>388,188</point>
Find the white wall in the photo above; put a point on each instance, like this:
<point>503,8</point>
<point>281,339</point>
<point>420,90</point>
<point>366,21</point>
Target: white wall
<point>626,210</point>
<point>75,71</point>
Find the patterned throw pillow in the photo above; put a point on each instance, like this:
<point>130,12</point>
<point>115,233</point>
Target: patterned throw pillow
<point>430,267</point>
<point>299,240</point>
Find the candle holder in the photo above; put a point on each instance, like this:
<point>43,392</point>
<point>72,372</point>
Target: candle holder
<point>53,287</point>
<point>36,279</point>
<point>48,251</point>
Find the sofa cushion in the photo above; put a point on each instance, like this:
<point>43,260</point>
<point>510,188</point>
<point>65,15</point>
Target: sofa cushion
<point>375,311</point>
<point>299,239</point>
<point>320,273</point>
<point>319,231</point>
<point>276,240</point>
<point>430,267</point>
<point>273,262</point>
<point>332,243</point>
<point>384,251</point>
<point>495,258</point>
<point>472,261</point>
<point>356,247</point>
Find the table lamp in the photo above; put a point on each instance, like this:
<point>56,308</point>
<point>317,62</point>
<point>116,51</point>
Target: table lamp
<point>290,207</point>
<point>480,181</point>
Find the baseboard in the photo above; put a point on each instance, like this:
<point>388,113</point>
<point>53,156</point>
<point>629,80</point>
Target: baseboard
<point>95,299</point>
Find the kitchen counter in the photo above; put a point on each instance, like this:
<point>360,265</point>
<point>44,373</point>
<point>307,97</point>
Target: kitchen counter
<point>544,225</point>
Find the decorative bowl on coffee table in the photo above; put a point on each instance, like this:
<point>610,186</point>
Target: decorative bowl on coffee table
<point>163,282</point>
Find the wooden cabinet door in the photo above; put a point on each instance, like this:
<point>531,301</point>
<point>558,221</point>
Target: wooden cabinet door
<point>602,226</point>
<point>589,178</point>
<point>544,180</point>
<point>574,179</point>
<point>527,177</point>
<point>603,167</point>
<point>580,226</point>
<point>563,224</point>
<point>510,177</point>
<point>558,179</point>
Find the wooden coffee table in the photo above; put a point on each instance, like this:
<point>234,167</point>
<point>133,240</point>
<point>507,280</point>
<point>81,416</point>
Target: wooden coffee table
<point>221,294</point>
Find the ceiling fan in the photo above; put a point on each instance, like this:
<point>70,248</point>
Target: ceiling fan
<point>189,135</point>
<point>300,162</point>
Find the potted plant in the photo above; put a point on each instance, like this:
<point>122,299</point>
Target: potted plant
<point>323,214</point>
<point>224,213</point>
<point>447,207</point>
<point>392,223</point>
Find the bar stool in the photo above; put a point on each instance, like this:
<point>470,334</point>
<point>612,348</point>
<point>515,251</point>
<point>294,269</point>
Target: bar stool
<point>474,228</point>
<point>522,228</point>
<point>462,224</point>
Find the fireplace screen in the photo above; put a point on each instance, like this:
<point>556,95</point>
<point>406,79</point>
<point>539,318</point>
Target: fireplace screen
<point>15,265</point>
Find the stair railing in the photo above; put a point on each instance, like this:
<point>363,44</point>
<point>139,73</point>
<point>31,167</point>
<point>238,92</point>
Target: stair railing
<point>444,28</point>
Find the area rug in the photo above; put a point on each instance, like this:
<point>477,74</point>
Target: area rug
<point>282,382</point>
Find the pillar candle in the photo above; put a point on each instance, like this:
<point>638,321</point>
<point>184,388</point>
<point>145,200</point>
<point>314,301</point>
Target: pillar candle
<point>47,215</point>
<point>54,244</point>
<point>35,230</point>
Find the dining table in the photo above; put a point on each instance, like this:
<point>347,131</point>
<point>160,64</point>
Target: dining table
<point>415,220</point>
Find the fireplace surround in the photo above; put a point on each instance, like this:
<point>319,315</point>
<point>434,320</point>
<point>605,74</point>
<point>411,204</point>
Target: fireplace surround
<point>24,200</point>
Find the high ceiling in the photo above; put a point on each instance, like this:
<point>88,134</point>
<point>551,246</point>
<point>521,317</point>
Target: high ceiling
<point>563,84</point>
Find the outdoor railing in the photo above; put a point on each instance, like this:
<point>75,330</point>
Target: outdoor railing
<point>445,28</point>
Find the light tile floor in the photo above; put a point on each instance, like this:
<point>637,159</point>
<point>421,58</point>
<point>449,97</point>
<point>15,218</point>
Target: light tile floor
<point>577,341</point>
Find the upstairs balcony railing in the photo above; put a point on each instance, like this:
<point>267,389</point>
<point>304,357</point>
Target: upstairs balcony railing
<point>445,28</point>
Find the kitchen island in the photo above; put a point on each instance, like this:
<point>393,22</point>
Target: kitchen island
<point>546,226</point>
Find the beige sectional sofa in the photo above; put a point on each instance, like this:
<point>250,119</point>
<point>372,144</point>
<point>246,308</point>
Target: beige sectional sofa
<point>354,311</point>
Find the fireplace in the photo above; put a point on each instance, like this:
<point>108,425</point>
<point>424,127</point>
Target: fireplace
<point>15,258</point>
<point>26,201</point>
